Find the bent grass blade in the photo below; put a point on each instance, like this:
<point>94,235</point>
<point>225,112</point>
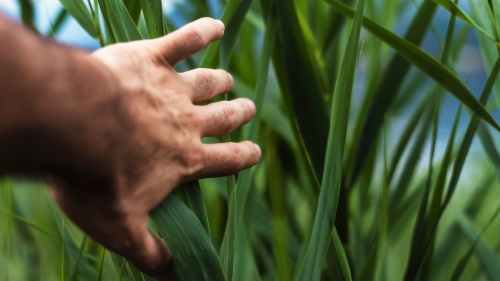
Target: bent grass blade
<point>330,187</point>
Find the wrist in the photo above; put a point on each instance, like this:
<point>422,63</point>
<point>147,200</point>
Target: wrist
<point>60,112</point>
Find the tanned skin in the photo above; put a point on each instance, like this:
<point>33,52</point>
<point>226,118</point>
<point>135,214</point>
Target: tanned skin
<point>115,131</point>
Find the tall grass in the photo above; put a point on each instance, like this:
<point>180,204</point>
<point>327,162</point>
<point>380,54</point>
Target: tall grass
<point>380,150</point>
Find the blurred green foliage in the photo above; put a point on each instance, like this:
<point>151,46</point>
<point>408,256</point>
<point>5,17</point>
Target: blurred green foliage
<point>380,186</point>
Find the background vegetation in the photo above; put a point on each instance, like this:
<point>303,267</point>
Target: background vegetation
<point>380,147</point>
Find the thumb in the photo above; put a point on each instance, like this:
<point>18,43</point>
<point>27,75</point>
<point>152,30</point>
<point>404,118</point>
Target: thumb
<point>189,39</point>
<point>149,254</point>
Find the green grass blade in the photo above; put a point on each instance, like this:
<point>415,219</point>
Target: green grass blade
<point>56,25</point>
<point>27,222</point>
<point>194,257</point>
<point>227,253</point>
<point>454,9</point>
<point>401,187</point>
<point>439,188</point>
<point>489,147</point>
<point>63,251</point>
<point>101,265</point>
<point>194,199</point>
<point>404,140</point>
<point>229,242</point>
<point>423,227</point>
<point>339,248</point>
<point>122,25</point>
<point>79,257</point>
<point>134,9</point>
<point>153,15</point>
<point>420,258</point>
<point>120,265</point>
<point>232,32</point>
<point>485,253</point>
<point>245,179</point>
<point>383,217</point>
<point>104,9</point>
<point>134,272</point>
<point>462,155</point>
<point>459,268</point>
<point>211,56</point>
<point>28,13</point>
<point>370,120</point>
<point>425,63</point>
<point>469,135</point>
<point>78,10</point>
<point>301,85</point>
<point>489,19</point>
<point>330,187</point>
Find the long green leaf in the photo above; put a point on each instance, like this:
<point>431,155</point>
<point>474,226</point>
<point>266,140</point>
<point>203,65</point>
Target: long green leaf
<point>385,90</point>
<point>489,147</point>
<point>459,268</point>
<point>122,25</point>
<point>424,62</point>
<point>454,9</point>
<point>104,9</point>
<point>134,9</point>
<point>194,257</point>
<point>194,200</point>
<point>301,84</point>
<point>229,243</point>
<point>469,135</point>
<point>484,252</point>
<point>401,187</point>
<point>210,57</point>
<point>232,31</point>
<point>244,179</point>
<point>153,15</point>
<point>330,187</point>
<point>78,10</point>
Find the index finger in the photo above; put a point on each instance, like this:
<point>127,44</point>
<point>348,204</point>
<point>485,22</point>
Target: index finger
<point>190,39</point>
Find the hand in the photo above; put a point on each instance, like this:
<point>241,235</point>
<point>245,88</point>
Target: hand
<point>143,137</point>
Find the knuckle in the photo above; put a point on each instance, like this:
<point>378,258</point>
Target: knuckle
<point>189,121</point>
<point>236,159</point>
<point>225,119</point>
<point>195,38</point>
<point>192,161</point>
<point>205,85</point>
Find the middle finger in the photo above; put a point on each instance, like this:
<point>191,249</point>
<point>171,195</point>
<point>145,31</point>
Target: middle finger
<point>223,117</point>
<point>207,83</point>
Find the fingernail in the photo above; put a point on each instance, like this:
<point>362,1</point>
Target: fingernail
<point>222,26</point>
<point>251,107</point>
<point>257,149</point>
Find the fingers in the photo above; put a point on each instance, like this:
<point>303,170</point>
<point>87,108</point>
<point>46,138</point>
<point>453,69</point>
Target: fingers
<point>190,39</point>
<point>207,83</point>
<point>225,116</point>
<point>223,159</point>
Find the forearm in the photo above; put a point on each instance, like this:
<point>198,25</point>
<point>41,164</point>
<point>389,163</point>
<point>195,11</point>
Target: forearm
<point>47,92</point>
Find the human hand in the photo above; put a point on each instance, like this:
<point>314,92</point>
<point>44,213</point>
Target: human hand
<point>147,139</point>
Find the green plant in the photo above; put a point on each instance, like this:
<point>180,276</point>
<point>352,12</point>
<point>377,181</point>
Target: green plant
<point>343,191</point>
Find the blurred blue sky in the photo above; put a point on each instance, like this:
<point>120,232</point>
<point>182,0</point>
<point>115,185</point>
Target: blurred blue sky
<point>47,10</point>
<point>71,33</point>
